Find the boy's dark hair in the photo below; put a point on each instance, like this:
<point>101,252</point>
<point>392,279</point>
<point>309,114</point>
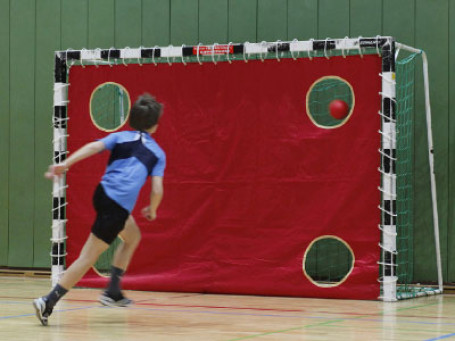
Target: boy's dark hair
<point>145,113</point>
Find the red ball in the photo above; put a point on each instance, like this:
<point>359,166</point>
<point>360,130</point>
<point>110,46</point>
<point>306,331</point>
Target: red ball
<point>338,109</point>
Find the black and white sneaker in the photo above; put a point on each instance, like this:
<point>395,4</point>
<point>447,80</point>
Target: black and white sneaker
<point>43,311</point>
<point>111,301</point>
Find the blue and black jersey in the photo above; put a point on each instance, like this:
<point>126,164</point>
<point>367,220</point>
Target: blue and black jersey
<point>134,156</point>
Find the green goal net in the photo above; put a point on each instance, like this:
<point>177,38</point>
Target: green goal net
<point>405,119</point>
<point>405,173</point>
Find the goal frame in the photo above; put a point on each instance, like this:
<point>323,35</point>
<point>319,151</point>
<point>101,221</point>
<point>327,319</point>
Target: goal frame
<point>385,47</point>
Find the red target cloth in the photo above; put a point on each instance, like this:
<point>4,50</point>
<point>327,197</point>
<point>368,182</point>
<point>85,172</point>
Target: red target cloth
<point>250,180</point>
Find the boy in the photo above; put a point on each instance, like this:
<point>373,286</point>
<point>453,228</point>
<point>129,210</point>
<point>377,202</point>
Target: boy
<point>134,156</point>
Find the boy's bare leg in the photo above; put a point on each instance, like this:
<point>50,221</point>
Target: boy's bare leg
<point>131,236</point>
<point>90,253</point>
<point>92,249</point>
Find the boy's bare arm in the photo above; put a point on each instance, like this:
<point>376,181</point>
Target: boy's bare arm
<point>82,153</point>
<point>156,196</point>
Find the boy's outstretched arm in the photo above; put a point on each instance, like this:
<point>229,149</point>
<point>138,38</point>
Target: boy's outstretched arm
<point>156,195</point>
<point>82,153</point>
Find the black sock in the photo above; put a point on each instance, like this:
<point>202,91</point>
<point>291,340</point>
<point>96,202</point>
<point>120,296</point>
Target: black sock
<point>113,288</point>
<point>57,293</point>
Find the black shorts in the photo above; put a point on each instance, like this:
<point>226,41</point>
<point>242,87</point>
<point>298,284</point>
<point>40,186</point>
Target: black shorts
<point>110,218</point>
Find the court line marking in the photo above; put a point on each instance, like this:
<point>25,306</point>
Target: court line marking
<point>145,303</point>
<point>441,337</point>
<point>285,330</point>
<point>416,306</point>
<point>55,311</point>
<point>15,316</point>
<point>227,313</point>
<point>401,329</point>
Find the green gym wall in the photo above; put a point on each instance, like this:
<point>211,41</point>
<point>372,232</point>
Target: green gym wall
<point>31,30</point>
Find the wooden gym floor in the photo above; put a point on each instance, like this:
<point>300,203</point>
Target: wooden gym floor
<point>181,316</point>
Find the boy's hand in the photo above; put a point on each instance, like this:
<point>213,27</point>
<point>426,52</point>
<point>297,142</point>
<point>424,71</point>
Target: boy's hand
<point>147,214</point>
<point>56,170</point>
